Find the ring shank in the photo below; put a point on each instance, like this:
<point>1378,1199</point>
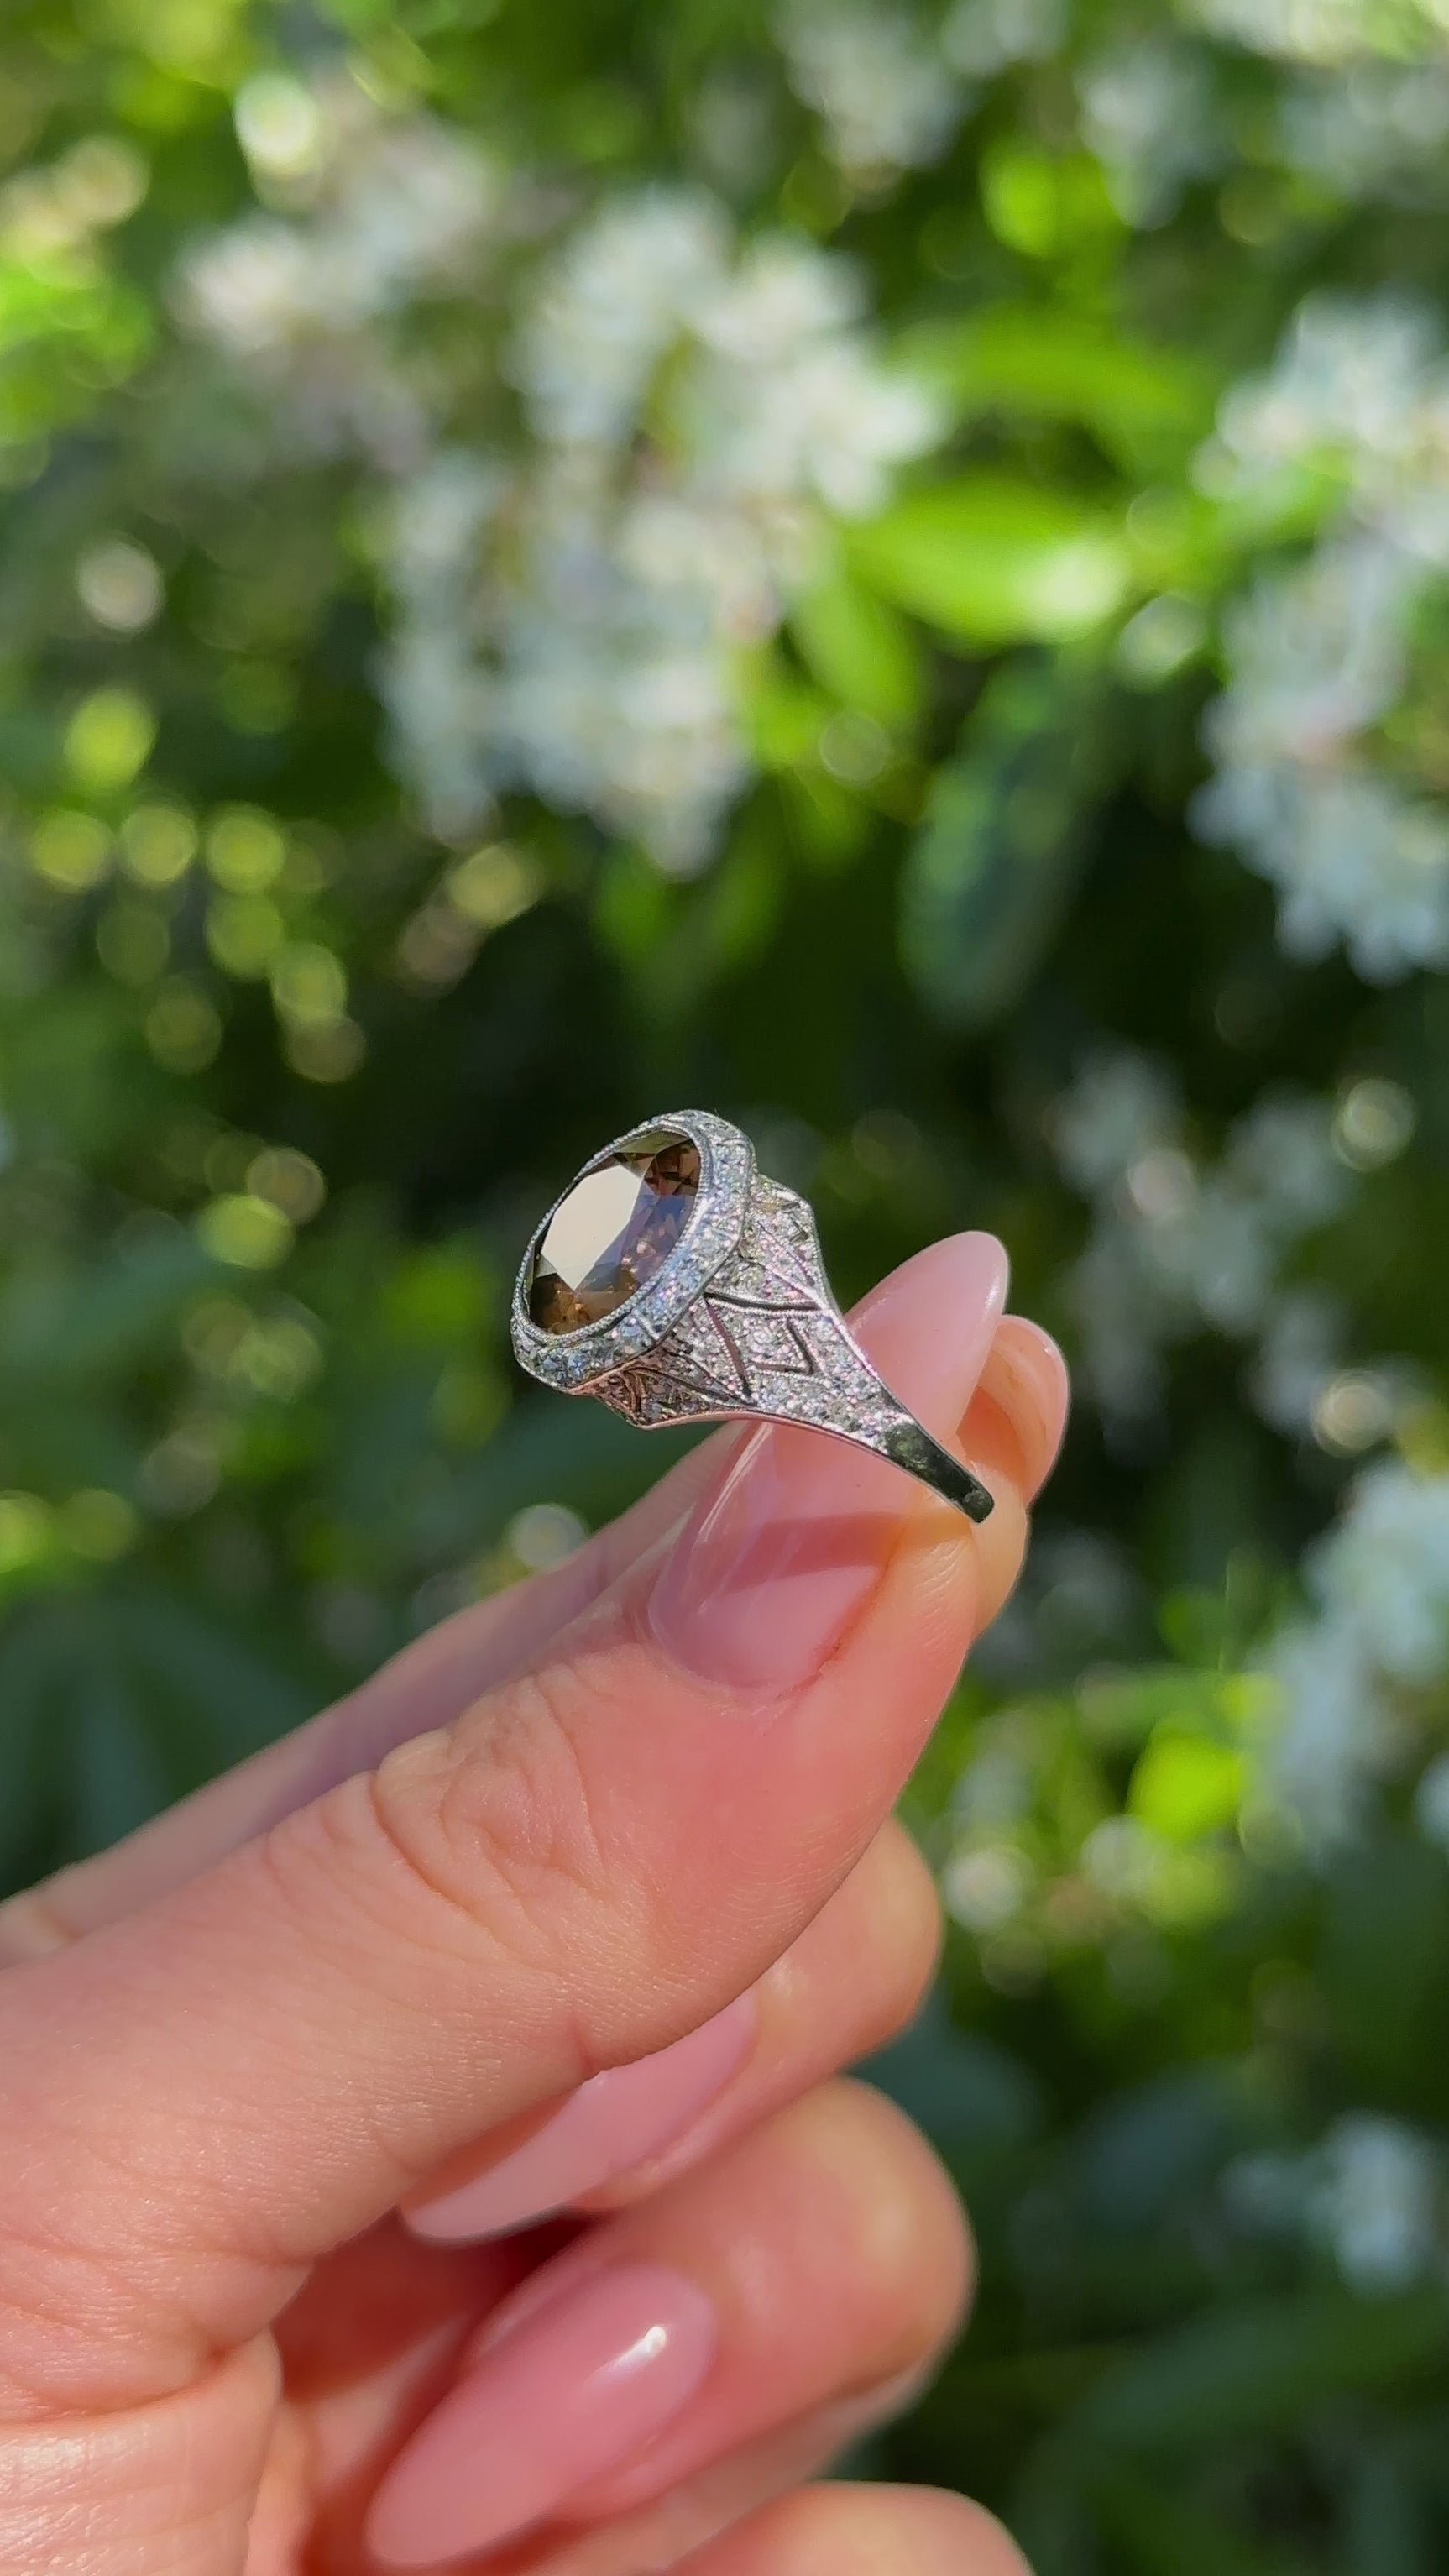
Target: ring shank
<point>911,1446</point>
<point>748,1329</point>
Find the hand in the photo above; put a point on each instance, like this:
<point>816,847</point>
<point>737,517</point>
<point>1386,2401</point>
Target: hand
<point>636,1810</point>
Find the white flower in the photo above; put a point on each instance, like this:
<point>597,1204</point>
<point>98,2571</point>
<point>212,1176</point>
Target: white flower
<point>1120,1106</point>
<point>442,718</point>
<point>438,520</point>
<point>299,303</point>
<point>827,426</point>
<point>986,1885</point>
<point>1351,381</point>
<point>1314,655</point>
<point>981,37</point>
<point>405,204</point>
<point>1332,1733</point>
<point>1377,1627</point>
<point>1148,114</point>
<point>1373,130</point>
<point>696,408</point>
<point>416,209</point>
<point>1375,2198</point>
<point>1385,1572</point>
<point>605,312</point>
<point>1297,1357</point>
<point>1124,1316</point>
<point>782,292</point>
<point>1371,2192</point>
<point>1317,655</point>
<point>888,100</point>
<point>1354,860</point>
<point>1431,1804</point>
<point>1319,31</point>
<point>568,621</point>
<point>1178,1244</point>
<point>1280,1157</point>
<point>255,287</point>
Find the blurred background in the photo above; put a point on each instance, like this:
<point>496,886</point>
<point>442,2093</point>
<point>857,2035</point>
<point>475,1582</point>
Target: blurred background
<point>885,570</point>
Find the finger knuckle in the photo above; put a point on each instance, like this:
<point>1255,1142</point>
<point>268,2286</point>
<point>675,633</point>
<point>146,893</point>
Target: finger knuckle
<point>904,1911</point>
<point>910,2244</point>
<point>497,1820</point>
<point>841,2530</point>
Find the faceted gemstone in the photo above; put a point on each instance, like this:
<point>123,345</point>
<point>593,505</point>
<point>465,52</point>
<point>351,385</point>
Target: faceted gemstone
<point>617,1226</point>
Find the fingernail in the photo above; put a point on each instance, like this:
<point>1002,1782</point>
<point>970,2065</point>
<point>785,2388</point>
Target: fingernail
<point>773,1567</point>
<point>1051,1394</point>
<point>571,2391</point>
<point>615,2121</point>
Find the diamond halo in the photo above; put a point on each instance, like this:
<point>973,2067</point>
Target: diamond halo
<point>732,1313</point>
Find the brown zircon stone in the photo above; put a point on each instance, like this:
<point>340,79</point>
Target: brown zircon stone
<point>617,1226</point>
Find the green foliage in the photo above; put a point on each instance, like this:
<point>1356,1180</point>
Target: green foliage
<point>909,686</point>
<point>993,561</point>
<point>1009,825</point>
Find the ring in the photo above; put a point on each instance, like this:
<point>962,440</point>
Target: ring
<point>676,1283</point>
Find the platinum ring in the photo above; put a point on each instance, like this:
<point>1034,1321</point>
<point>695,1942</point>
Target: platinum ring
<point>676,1283</point>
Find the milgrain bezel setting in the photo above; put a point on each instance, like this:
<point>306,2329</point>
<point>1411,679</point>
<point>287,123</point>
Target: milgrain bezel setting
<point>738,1320</point>
<point>572,1362</point>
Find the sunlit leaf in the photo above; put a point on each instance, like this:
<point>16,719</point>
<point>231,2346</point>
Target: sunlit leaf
<point>1144,403</point>
<point>1185,1785</point>
<point>858,648</point>
<point>992,561</point>
<point>991,871</point>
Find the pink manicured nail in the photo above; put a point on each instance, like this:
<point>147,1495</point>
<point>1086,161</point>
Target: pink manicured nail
<point>1051,1389</point>
<point>581,2382</point>
<point>772,1568</point>
<point>616,2120</point>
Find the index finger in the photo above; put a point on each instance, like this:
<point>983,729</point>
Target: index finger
<point>433,1680</point>
<point>597,1855</point>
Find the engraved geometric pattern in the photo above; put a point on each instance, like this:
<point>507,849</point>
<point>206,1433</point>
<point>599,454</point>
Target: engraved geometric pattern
<point>764,1337</point>
<point>738,1320</point>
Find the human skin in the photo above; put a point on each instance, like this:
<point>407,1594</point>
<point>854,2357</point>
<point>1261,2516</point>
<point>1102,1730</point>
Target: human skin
<point>577,1908</point>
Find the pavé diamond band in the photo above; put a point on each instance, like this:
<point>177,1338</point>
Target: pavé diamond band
<point>677,1283</point>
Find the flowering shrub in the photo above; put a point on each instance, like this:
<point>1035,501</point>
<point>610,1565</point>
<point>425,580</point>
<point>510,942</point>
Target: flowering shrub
<point>885,568</point>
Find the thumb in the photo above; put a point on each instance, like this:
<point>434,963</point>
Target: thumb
<point>596,1856</point>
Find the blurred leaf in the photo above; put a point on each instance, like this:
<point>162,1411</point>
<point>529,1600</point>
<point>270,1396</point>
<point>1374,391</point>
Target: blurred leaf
<point>1142,2154</point>
<point>347,832</point>
<point>859,648</point>
<point>1166,2534</point>
<point>1390,2517</point>
<point>680,940</point>
<point>120,1777</point>
<point>33,1754</point>
<point>786,714</point>
<point>1384,1965</point>
<point>1253,2369</point>
<point>1043,204</point>
<point>993,561</point>
<point>1186,1785</point>
<point>437,1296</point>
<point>123,1308</point>
<point>965,2092</point>
<point>130,1698</point>
<point>1220,1626</point>
<point>1123,1708</point>
<point>989,876</point>
<point>65,332</point>
<point>213,1692</point>
<point>1144,404</point>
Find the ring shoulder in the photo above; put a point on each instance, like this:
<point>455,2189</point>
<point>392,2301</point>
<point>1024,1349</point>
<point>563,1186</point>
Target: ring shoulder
<point>743,1323</point>
<point>764,1324</point>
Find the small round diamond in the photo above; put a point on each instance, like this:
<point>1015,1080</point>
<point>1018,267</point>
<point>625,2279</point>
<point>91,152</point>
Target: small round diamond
<point>616,1228</point>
